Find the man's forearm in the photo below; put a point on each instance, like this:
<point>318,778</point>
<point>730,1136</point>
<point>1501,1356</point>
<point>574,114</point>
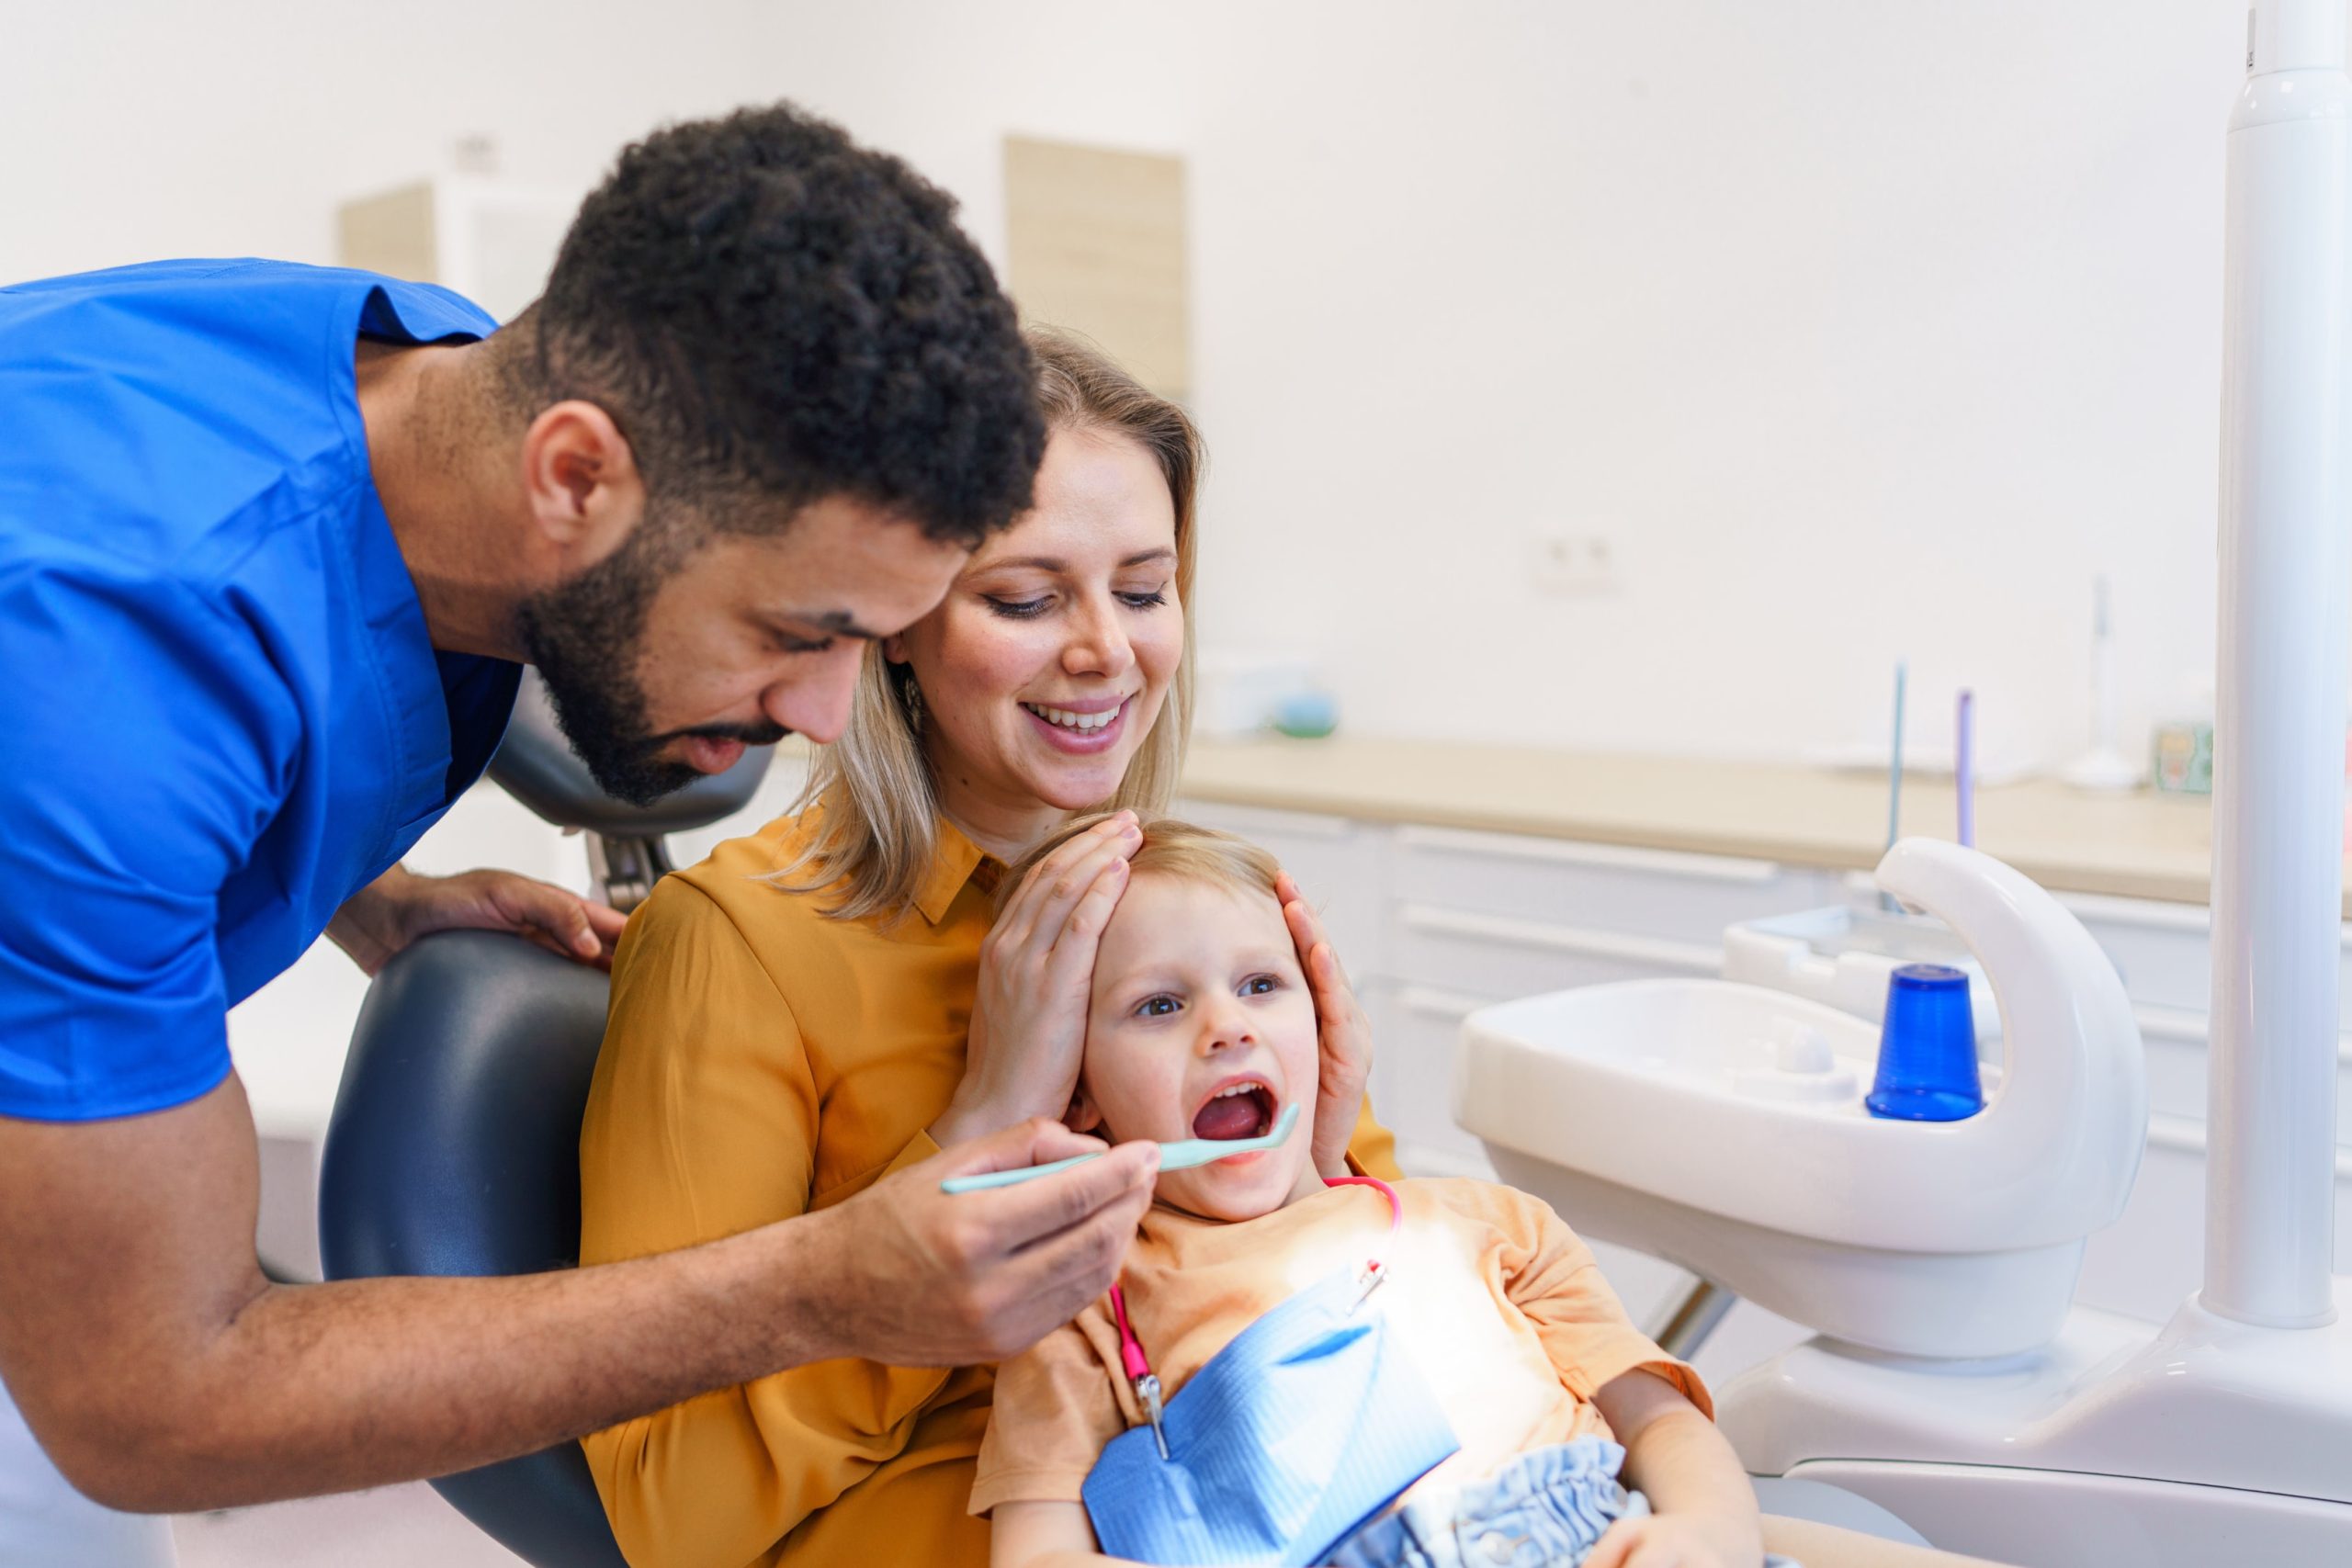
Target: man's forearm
<point>321,1388</point>
<point>161,1370</point>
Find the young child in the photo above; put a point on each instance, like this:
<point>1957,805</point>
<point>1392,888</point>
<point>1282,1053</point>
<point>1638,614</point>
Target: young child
<point>1200,1026</point>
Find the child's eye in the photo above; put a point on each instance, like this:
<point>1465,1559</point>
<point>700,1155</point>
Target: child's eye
<point>1259,985</point>
<point>1156,1007</point>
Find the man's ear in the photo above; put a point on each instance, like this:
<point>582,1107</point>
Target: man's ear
<point>582,485</point>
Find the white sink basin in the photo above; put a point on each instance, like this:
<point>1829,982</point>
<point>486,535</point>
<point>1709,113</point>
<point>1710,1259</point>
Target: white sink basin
<point>1722,1126</point>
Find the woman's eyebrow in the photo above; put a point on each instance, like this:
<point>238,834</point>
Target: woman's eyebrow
<point>1057,564</point>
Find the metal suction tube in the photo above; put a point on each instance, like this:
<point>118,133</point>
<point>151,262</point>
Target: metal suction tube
<point>2286,578</point>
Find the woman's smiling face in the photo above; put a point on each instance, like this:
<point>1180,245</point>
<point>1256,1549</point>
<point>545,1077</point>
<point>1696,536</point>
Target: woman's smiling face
<point>1049,661</point>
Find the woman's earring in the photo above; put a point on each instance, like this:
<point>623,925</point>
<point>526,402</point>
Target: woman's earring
<point>914,708</point>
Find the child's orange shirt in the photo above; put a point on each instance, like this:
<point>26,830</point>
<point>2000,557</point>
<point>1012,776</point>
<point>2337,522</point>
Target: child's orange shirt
<point>1494,1299</point>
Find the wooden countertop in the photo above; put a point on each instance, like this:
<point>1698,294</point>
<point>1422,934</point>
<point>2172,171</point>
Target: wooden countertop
<point>2142,845</point>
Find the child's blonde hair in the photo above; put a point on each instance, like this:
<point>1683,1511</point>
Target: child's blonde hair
<point>1169,848</point>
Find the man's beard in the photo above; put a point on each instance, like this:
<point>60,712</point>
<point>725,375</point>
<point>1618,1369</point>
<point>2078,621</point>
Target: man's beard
<point>585,637</point>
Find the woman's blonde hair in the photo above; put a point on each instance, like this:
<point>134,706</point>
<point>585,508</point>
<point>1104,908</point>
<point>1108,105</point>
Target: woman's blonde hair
<point>1169,848</point>
<point>878,826</point>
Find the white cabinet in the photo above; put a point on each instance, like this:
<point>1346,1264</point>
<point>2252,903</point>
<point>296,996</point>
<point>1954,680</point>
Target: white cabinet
<point>1658,892</point>
<point>1339,864</point>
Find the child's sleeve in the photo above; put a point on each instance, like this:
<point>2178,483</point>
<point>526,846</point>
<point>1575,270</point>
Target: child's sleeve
<point>1057,1407</point>
<point>1554,1281</point>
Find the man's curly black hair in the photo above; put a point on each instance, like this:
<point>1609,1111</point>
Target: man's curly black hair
<point>769,310</point>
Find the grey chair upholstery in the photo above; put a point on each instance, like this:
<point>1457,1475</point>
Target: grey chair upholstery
<point>454,1144</point>
<point>536,765</point>
<point>455,1149</point>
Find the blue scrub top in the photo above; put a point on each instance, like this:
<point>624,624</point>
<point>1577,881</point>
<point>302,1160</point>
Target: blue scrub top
<point>220,714</point>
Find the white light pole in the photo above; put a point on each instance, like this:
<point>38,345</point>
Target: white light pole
<point>2286,578</point>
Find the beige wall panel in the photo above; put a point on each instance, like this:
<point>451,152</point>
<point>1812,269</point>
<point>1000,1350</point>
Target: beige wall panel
<point>392,233</point>
<point>1095,242</point>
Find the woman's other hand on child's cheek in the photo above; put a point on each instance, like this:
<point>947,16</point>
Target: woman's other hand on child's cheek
<point>1344,1065</point>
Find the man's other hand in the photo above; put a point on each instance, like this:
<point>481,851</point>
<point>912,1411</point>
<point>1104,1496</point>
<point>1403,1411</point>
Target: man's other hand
<point>399,907</point>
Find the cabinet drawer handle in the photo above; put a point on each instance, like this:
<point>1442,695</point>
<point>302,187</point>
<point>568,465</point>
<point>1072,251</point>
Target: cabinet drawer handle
<point>1265,819</point>
<point>1578,852</point>
<point>2139,914</point>
<point>1431,1002</point>
<point>2196,1029</point>
<point>1548,938</point>
<point>2185,1134</point>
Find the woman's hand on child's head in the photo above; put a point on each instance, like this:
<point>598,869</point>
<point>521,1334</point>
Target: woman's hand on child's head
<point>1028,1031</point>
<point>1345,1034</point>
<point>1662,1541</point>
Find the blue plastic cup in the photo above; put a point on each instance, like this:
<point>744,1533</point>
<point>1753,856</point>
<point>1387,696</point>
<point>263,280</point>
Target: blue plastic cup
<point>1927,1049</point>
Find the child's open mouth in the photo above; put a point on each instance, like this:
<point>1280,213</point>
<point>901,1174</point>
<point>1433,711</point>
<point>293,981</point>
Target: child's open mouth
<point>1243,1109</point>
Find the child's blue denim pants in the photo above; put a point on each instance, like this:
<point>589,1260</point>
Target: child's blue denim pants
<point>1543,1509</point>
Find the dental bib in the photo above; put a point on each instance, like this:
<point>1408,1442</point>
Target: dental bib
<point>1310,1422</point>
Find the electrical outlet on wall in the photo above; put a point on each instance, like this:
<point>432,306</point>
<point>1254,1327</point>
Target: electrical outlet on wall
<point>1572,561</point>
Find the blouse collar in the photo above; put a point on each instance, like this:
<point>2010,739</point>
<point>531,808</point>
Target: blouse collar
<point>954,861</point>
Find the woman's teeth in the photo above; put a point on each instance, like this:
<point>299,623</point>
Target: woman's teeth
<point>1084,723</point>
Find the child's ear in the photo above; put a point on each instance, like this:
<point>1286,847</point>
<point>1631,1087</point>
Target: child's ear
<point>1083,1115</point>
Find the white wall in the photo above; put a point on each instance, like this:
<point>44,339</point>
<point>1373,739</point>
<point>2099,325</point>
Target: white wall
<point>1859,329</point>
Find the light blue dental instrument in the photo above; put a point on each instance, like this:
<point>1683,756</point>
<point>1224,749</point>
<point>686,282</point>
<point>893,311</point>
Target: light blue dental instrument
<point>1180,1156</point>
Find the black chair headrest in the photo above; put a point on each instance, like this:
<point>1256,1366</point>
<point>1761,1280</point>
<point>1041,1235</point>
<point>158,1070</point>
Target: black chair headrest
<point>537,765</point>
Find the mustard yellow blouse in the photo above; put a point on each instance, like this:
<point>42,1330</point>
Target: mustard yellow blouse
<point>761,1061</point>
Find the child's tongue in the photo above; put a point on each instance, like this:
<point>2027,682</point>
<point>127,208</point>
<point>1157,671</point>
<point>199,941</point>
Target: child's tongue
<point>1227,1116</point>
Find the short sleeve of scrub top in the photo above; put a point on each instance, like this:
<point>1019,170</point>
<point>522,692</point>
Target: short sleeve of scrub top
<point>220,713</point>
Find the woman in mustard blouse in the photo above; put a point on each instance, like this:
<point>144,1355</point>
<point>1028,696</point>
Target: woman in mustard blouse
<point>818,1005</point>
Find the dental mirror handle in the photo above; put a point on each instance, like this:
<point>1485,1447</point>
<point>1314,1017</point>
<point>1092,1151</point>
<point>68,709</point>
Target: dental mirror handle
<point>980,1181</point>
<point>1180,1156</point>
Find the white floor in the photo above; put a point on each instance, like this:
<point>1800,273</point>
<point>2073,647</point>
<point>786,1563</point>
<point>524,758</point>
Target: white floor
<point>396,1527</point>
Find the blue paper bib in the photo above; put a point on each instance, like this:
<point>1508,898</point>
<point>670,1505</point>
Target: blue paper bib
<point>1310,1422</point>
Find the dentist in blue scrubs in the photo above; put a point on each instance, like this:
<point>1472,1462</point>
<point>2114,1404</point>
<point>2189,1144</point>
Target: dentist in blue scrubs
<point>275,542</point>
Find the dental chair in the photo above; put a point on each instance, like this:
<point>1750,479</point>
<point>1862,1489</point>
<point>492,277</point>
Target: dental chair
<point>454,1144</point>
